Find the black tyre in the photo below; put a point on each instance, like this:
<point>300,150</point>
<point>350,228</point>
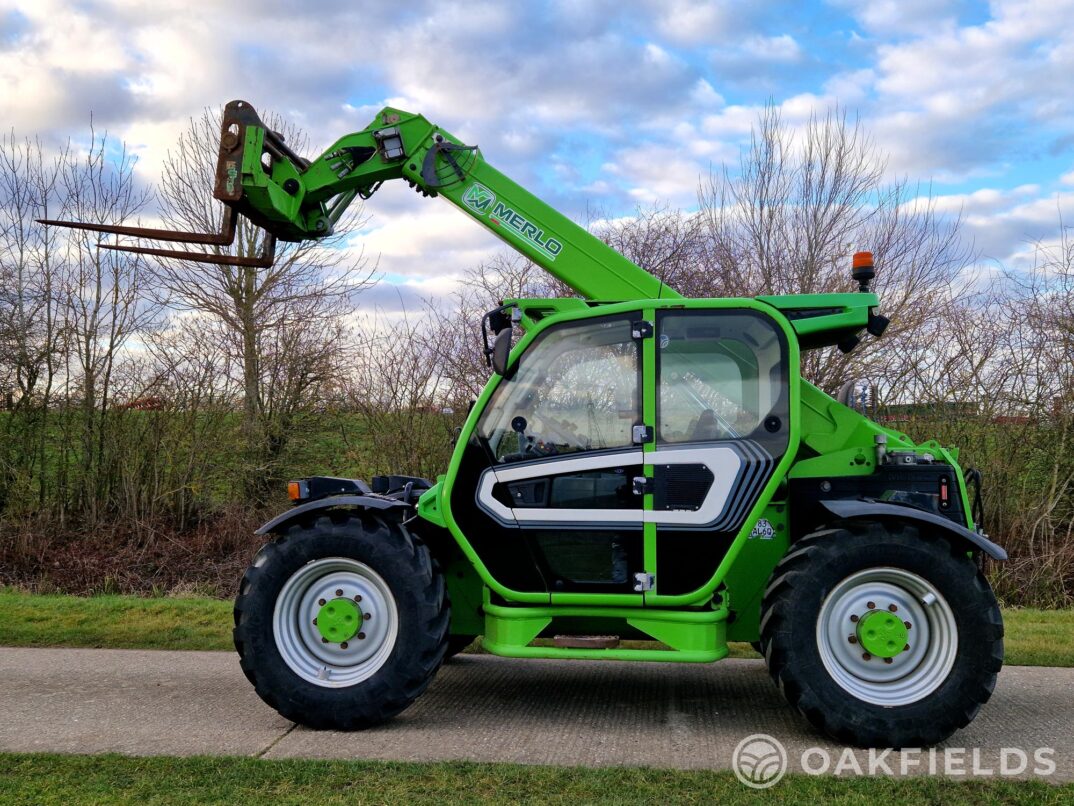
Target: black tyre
<point>835,636</point>
<point>342,621</point>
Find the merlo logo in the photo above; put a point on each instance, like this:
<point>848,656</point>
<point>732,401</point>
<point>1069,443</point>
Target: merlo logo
<point>479,198</point>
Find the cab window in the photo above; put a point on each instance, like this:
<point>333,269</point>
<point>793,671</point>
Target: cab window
<point>721,375</point>
<point>574,390</point>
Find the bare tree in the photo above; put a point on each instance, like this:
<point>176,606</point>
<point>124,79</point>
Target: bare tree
<point>1038,507</point>
<point>27,316</point>
<point>667,243</point>
<point>284,323</point>
<point>29,328</point>
<point>799,204</point>
<point>180,438</point>
<point>104,304</point>
<point>403,397</point>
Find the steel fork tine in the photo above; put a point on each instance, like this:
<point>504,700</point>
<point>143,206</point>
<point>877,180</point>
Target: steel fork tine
<point>263,262</point>
<point>223,238</point>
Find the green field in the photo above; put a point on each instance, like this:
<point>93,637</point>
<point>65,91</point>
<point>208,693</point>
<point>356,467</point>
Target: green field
<point>1034,637</point>
<point>53,779</point>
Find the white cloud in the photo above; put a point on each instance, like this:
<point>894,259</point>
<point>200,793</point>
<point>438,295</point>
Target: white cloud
<point>421,239</point>
<point>686,22</point>
<point>704,95</point>
<point>901,16</point>
<point>780,48</point>
<point>605,102</point>
<point>655,174</point>
<point>948,97</point>
<point>1004,224</point>
<point>410,297</point>
<point>850,89</point>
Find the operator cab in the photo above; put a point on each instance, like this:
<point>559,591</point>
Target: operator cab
<point>625,447</point>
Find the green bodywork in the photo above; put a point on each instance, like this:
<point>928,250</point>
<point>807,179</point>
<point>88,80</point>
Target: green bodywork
<point>826,439</point>
<point>882,634</point>
<point>338,620</point>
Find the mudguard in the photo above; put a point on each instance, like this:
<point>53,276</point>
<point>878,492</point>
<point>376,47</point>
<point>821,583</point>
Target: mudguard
<point>365,501</point>
<point>848,508</point>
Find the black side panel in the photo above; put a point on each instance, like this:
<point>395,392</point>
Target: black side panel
<point>607,488</point>
<point>677,487</point>
<point>507,553</point>
<point>917,485</point>
<point>687,560</point>
<point>589,561</point>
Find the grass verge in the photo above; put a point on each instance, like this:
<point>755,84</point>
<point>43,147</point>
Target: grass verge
<point>55,779</point>
<point>1033,637</point>
<point>114,622</point>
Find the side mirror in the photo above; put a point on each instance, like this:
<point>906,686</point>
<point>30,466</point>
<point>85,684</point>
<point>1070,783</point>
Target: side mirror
<point>501,350</point>
<point>858,394</point>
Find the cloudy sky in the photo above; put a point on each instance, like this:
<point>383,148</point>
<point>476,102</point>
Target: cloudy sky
<point>600,105</point>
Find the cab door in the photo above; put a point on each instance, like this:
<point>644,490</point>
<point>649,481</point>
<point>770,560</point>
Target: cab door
<point>546,491</point>
<point>722,412</point>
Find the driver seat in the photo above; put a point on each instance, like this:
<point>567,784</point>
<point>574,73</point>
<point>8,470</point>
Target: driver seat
<point>707,427</point>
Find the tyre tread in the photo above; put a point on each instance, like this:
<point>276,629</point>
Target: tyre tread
<point>802,568</point>
<point>386,541</point>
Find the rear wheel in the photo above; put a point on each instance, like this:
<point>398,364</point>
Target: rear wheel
<point>881,635</point>
<point>342,622</point>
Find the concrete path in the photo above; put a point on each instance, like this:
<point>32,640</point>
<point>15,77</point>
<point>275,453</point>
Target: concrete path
<point>484,708</point>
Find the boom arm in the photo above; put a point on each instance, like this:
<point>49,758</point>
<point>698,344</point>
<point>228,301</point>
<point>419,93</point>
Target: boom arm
<point>295,200</point>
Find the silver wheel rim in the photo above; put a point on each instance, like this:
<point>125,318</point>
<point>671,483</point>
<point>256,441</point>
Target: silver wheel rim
<point>911,675</point>
<point>301,645</point>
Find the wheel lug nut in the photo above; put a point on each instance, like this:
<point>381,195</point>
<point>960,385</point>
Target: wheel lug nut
<point>854,618</point>
<point>893,608</point>
<point>909,626</point>
<point>357,597</point>
<point>321,602</point>
<point>853,639</point>
<point>871,605</point>
<point>324,640</point>
<point>339,591</point>
<point>866,656</point>
<point>887,660</point>
<point>315,622</point>
<point>906,648</point>
<point>368,616</point>
<point>343,645</point>
<point>361,636</point>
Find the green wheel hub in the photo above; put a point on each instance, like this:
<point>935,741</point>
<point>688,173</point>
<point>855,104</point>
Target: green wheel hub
<point>882,634</point>
<point>338,620</point>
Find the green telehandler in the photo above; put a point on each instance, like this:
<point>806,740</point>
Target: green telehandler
<point>640,467</point>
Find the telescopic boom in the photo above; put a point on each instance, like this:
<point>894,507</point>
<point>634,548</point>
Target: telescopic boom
<point>294,199</point>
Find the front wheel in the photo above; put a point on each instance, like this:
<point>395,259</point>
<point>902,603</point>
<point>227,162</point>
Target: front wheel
<point>342,622</point>
<point>882,636</point>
